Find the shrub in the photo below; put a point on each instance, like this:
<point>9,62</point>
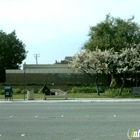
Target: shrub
<point>116,90</point>
<point>50,84</point>
<point>16,91</point>
<point>85,90</point>
<point>14,84</point>
<point>85,84</point>
<point>3,84</point>
<point>112,90</point>
<point>24,91</point>
<point>2,92</point>
<point>127,90</point>
<point>35,90</point>
<point>40,91</point>
<point>69,84</point>
<point>77,84</point>
<point>31,84</point>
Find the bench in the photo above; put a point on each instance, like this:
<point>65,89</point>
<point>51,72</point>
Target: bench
<point>57,93</point>
<point>136,91</point>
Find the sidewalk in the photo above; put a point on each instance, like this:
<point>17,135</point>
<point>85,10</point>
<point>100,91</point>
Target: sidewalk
<point>71,100</point>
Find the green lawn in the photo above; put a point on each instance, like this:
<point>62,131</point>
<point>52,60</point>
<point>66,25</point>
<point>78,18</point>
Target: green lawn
<point>102,95</point>
<point>38,96</point>
<point>22,96</point>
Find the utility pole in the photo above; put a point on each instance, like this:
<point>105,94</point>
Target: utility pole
<point>24,68</point>
<point>36,56</point>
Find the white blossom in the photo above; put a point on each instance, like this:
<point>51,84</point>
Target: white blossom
<point>108,61</point>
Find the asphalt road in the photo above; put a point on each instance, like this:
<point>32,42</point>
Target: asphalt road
<point>68,121</point>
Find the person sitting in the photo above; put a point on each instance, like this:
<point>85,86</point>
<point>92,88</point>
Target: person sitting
<point>46,90</point>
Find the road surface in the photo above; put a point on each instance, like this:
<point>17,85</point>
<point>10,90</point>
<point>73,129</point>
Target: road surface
<point>68,121</point>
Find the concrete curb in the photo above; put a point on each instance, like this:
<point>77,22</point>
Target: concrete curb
<point>73,101</point>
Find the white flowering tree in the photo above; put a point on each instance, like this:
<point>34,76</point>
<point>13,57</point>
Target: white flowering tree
<point>128,62</point>
<point>92,63</point>
<point>97,62</point>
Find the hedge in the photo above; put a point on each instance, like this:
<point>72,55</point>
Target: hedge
<point>84,90</point>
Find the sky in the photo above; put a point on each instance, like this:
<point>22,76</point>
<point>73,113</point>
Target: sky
<point>54,29</point>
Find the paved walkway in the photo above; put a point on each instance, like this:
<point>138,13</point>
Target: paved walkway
<point>70,100</point>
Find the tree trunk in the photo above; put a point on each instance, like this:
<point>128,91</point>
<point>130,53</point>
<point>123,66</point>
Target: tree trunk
<point>96,84</point>
<point>113,80</point>
<point>123,83</point>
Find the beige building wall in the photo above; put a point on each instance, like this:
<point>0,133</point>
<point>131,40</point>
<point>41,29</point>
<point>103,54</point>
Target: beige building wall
<point>59,74</point>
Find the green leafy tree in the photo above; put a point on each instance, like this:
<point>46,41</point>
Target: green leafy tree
<point>12,51</point>
<point>113,33</point>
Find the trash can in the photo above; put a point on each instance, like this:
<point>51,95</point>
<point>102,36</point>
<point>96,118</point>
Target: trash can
<point>30,95</point>
<point>8,93</point>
